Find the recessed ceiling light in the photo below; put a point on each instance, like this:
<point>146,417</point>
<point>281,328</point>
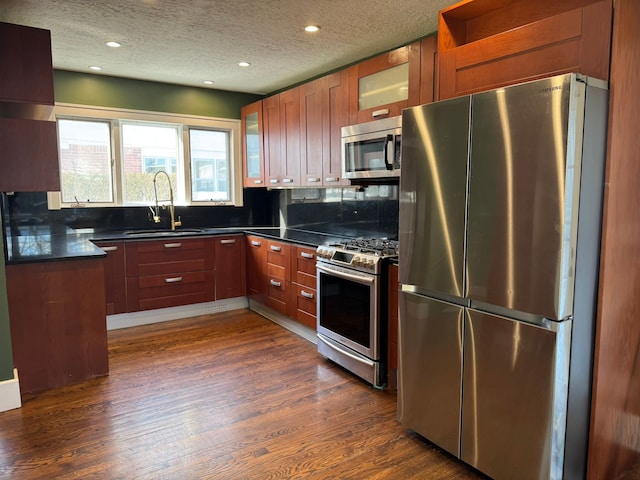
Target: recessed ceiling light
<point>95,67</point>
<point>244,64</point>
<point>208,82</point>
<point>311,28</point>
<point>113,44</point>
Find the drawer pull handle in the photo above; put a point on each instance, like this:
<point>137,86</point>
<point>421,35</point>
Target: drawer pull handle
<point>331,179</point>
<point>274,283</point>
<point>228,241</point>
<point>306,294</point>
<point>257,182</point>
<point>380,113</point>
<point>173,280</point>
<point>276,248</point>
<point>110,249</point>
<point>287,180</point>
<point>313,179</point>
<point>172,245</point>
<point>306,255</point>
<point>255,243</point>
<point>273,180</point>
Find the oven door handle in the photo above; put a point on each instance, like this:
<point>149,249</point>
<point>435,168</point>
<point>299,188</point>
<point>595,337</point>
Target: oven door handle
<point>348,276</point>
<point>344,352</point>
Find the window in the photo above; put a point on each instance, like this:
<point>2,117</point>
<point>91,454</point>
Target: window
<point>111,157</point>
<point>85,161</point>
<point>209,166</point>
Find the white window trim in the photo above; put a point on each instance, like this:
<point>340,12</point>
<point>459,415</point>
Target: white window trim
<point>79,112</point>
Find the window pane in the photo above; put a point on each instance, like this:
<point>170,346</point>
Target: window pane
<point>148,149</point>
<point>209,165</point>
<point>85,161</point>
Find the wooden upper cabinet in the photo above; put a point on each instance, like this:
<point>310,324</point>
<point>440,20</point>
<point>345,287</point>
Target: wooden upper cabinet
<point>27,73</point>
<point>485,44</point>
<point>273,167</point>
<point>383,85</point>
<point>252,145</point>
<point>290,135</point>
<point>281,115</point>
<point>314,116</point>
<point>338,117</point>
<point>428,69</point>
<point>28,141</point>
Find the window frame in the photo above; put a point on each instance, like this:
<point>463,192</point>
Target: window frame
<point>185,122</point>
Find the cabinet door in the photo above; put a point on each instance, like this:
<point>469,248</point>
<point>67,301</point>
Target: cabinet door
<point>230,267</point>
<point>313,124</point>
<point>428,70</point>
<point>273,166</point>
<point>338,86</point>
<point>26,65</point>
<point>382,86</point>
<point>29,159</point>
<point>290,136</point>
<point>252,145</point>
<point>256,273</point>
<point>114,277</point>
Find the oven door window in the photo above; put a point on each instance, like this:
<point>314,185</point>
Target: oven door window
<point>345,309</point>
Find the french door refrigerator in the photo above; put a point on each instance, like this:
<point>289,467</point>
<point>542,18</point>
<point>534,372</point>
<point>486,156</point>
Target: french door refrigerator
<point>500,216</point>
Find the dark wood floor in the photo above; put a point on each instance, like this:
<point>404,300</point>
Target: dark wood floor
<point>227,396</point>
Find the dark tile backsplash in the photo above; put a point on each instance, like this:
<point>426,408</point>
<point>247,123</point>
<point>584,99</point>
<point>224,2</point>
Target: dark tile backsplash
<point>366,212</point>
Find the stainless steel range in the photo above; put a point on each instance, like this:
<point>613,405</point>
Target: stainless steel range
<point>352,305</point>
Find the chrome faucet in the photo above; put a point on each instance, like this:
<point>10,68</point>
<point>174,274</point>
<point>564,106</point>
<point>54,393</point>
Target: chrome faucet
<point>156,212</point>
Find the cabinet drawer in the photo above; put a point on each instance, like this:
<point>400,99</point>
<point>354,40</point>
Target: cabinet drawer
<point>277,294</point>
<point>279,254</point>
<point>303,264</point>
<point>305,306</point>
<point>169,256</point>
<point>160,291</point>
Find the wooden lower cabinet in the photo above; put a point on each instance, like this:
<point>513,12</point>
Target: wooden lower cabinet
<point>169,273</point>
<point>278,275</point>
<point>303,278</point>
<point>62,337</point>
<point>114,277</point>
<point>256,268</point>
<point>230,271</point>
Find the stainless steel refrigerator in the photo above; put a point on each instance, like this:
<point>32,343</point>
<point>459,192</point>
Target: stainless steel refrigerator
<point>500,218</point>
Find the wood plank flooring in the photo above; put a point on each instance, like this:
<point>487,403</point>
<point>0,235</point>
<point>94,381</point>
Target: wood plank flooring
<point>226,396</point>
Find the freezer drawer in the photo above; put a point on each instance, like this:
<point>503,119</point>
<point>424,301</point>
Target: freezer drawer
<point>430,369</point>
<point>515,391</point>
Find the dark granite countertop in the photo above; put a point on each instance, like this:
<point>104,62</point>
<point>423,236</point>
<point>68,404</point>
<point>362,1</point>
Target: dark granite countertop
<point>45,244</point>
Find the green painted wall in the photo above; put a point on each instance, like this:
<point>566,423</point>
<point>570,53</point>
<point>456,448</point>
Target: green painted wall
<point>6,355</point>
<point>105,91</point>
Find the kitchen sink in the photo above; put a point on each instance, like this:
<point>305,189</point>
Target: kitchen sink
<point>162,233</point>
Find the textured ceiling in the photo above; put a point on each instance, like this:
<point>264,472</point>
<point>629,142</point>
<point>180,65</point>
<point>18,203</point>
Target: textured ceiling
<point>186,42</point>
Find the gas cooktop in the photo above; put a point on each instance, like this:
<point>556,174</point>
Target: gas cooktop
<point>364,254</point>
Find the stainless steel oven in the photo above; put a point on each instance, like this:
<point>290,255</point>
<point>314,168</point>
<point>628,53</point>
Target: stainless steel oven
<point>351,305</point>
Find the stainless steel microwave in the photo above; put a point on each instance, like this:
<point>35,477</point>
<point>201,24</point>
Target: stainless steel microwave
<point>372,149</point>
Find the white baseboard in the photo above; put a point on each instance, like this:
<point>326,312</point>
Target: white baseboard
<point>10,393</point>
<point>286,322</point>
<point>134,319</point>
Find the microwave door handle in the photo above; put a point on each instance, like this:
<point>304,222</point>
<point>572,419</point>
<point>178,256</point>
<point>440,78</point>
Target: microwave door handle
<point>388,146</point>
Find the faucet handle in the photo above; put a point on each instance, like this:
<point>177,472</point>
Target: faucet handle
<point>177,223</point>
